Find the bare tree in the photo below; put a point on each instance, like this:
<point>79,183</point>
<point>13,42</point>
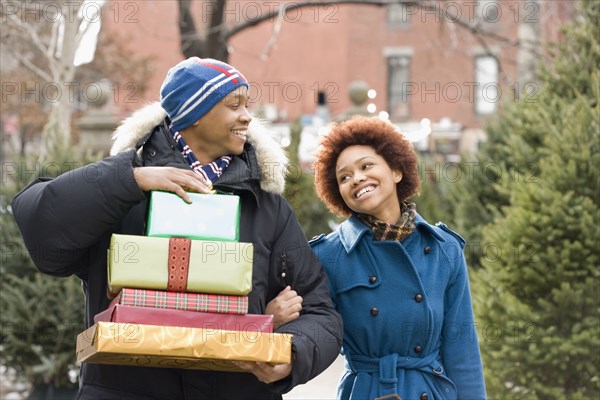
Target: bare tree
<point>214,41</point>
<point>44,38</point>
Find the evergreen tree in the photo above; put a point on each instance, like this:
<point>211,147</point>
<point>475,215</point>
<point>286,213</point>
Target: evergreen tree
<point>536,297</point>
<point>432,201</point>
<point>312,214</point>
<point>478,197</point>
<point>505,161</point>
<point>41,315</point>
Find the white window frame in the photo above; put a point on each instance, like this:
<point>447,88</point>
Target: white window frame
<point>487,90</point>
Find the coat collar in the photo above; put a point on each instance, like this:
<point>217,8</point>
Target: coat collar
<point>353,229</point>
<point>271,158</point>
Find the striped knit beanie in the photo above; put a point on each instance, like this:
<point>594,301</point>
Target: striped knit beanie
<point>194,86</point>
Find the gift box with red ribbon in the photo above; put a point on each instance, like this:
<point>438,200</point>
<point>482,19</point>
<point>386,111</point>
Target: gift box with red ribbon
<point>179,265</point>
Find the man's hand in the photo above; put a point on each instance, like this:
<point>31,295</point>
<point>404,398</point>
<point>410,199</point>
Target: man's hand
<point>266,372</point>
<point>171,179</point>
<point>285,307</point>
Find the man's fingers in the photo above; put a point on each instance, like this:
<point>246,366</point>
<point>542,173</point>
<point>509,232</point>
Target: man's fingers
<point>265,372</point>
<point>171,179</point>
<point>192,182</point>
<point>179,191</point>
<point>245,365</point>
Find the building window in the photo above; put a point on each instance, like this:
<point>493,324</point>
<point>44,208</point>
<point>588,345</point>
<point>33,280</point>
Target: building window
<point>487,89</point>
<point>398,16</point>
<point>398,85</point>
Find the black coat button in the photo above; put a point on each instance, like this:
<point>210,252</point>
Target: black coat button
<point>418,297</point>
<point>427,250</point>
<point>418,349</point>
<point>374,311</point>
<point>372,279</point>
<point>424,396</point>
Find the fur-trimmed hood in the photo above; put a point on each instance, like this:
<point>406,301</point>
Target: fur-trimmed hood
<point>270,156</point>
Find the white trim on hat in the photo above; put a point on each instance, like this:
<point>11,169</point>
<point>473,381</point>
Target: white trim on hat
<point>187,108</point>
<point>199,91</point>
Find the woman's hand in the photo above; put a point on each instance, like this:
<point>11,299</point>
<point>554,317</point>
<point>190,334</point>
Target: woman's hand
<point>171,179</point>
<point>285,307</point>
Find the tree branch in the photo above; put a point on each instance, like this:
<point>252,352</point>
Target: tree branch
<point>218,33</point>
<point>53,41</point>
<point>31,66</point>
<point>190,44</point>
<point>216,41</point>
<point>301,4</point>
<point>32,38</point>
<point>474,28</point>
<point>273,39</point>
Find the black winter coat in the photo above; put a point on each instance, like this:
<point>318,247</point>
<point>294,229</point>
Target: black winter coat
<point>76,213</point>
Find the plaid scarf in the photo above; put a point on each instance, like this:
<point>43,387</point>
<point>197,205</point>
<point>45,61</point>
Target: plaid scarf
<point>211,171</point>
<point>398,231</point>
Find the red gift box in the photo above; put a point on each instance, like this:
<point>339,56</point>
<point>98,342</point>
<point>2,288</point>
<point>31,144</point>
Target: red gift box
<point>188,319</point>
<point>213,303</point>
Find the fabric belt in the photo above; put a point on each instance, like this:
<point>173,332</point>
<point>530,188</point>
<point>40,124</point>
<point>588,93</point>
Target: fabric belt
<point>387,367</point>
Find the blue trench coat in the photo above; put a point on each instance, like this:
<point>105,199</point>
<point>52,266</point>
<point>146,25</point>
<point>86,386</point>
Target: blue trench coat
<point>406,307</point>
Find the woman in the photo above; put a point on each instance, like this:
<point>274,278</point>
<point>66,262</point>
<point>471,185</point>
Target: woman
<point>400,284</point>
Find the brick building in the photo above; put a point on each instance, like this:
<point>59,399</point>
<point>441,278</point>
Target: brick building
<point>418,65</point>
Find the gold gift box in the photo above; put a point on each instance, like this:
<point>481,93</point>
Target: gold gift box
<point>179,347</point>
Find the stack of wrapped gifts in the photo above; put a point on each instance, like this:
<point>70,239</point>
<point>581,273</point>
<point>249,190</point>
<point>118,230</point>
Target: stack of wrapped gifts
<point>181,293</point>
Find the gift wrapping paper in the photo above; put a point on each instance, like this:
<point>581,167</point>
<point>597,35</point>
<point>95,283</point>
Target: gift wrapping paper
<point>212,303</point>
<point>179,347</point>
<point>208,217</point>
<point>191,319</point>
<point>181,265</point>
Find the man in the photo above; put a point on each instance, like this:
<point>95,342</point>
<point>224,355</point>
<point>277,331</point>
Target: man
<point>197,139</point>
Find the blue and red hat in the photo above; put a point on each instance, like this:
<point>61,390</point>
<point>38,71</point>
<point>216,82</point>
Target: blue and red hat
<point>192,87</point>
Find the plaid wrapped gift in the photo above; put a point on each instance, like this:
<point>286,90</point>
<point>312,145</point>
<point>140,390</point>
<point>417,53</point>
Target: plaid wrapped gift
<point>217,303</point>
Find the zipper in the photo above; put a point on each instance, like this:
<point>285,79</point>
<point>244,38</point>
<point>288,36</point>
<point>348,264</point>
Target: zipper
<point>220,190</point>
<point>283,272</point>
